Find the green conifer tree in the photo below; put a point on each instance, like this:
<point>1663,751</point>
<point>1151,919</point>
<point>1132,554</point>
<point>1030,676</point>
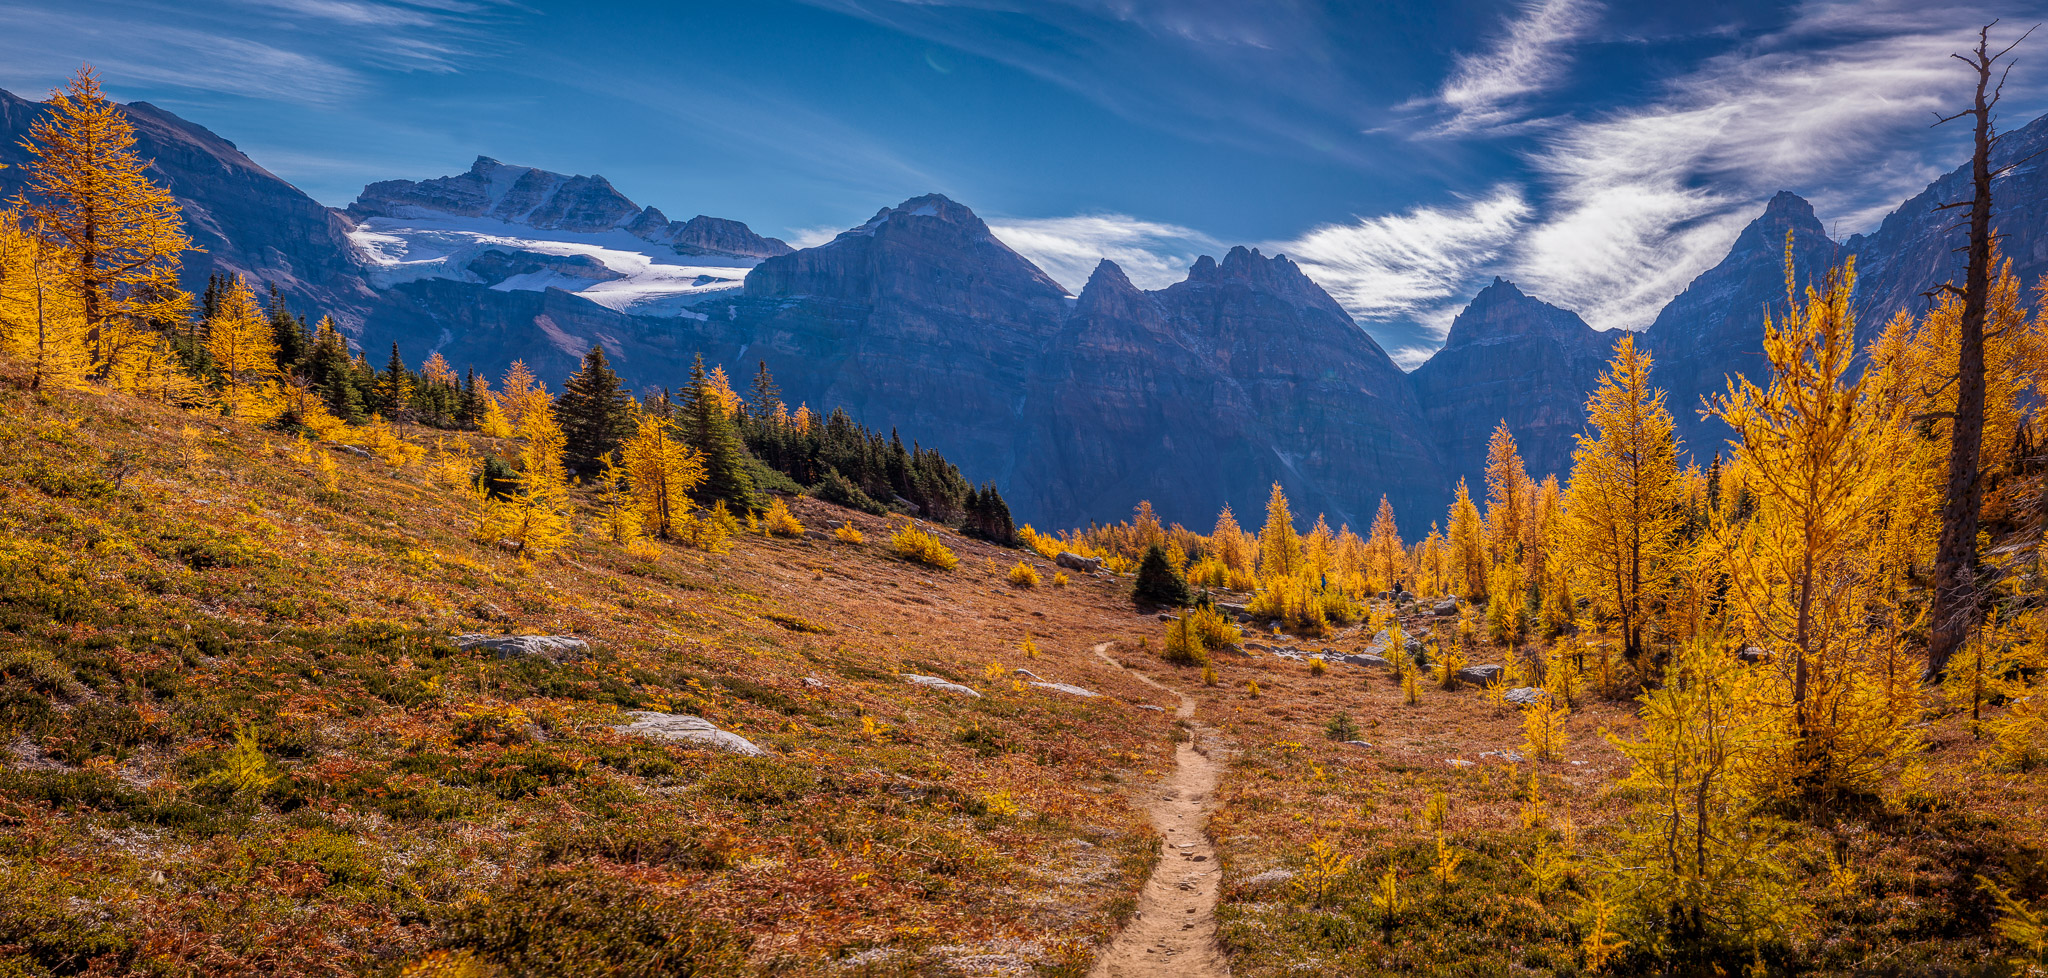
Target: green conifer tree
<point>709,429</point>
<point>597,414</point>
<point>1159,582</point>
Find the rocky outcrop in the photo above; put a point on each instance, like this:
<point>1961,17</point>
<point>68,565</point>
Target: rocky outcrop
<point>935,682</point>
<point>513,194</point>
<point>494,267</point>
<point>1514,358</point>
<point>703,235</point>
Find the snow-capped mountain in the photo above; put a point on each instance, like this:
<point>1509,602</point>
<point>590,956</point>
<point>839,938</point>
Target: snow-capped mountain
<point>515,228</point>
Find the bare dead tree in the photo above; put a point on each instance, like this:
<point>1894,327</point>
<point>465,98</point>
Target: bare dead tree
<point>1954,608</point>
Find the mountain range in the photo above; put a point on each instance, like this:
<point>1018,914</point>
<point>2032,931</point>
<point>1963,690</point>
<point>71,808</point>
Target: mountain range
<point>1203,393</point>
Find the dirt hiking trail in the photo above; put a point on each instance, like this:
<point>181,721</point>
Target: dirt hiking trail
<point>1174,931</point>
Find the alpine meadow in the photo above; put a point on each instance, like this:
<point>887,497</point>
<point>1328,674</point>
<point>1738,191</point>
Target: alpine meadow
<point>491,577</point>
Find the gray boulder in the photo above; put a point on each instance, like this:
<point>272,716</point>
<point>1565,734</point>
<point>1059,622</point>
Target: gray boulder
<point>1479,675</point>
<point>685,729</point>
<point>1447,608</point>
<point>554,648</point>
<point>1267,880</point>
<point>1365,660</point>
<point>1069,690</point>
<point>1236,611</point>
<point>1752,653</point>
<point>937,683</point>
<point>1357,743</point>
<point>1524,696</point>
<point>1074,561</point>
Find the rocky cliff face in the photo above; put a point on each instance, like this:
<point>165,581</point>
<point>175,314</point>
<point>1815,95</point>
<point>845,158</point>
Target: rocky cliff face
<point>1917,247</point>
<point>1514,358</point>
<point>1211,390</point>
<point>248,221</point>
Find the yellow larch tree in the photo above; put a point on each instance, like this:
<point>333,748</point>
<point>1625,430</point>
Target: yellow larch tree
<point>1802,565</point>
<point>1319,549</point>
<point>535,517</point>
<point>1623,506</point>
<point>121,235</point>
<point>1385,556</point>
<point>519,393</point>
<point>1466,543</point>
<point>41,322</point>
<point>1231,544</point>
<point>661,472</point>
<point>243,346</point>
<point>1279,543</point>
<point>1507,496</point>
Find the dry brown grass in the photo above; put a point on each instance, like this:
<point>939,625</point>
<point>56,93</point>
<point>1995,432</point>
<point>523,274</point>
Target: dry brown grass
<point>912,826</point>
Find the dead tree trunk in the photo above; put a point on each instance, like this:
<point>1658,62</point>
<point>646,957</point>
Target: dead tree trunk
<point>1954,609</point>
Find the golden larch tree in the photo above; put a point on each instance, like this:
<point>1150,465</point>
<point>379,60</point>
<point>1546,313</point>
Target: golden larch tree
<point>1507,496</point>
<point>1624,504</point>
<point>1466,543</point>
<point>1279,543</point>
<point>1385,556</point>
<point>41,322</point>
<point>1803,564</point>
<point>243,346</point>
<point>121,234</point>
<point>661,472</point>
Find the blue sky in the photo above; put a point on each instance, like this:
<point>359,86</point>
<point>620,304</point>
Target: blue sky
<point>1598,154</point>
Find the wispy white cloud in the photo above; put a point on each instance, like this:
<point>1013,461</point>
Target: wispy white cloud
<point>1640,201</point>
<point>1153,255</point>
<point>299,51</point>
<point>1488,89</point>
<point>1406,266</point>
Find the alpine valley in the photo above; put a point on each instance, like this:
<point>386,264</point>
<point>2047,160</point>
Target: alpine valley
<point>923,320</point>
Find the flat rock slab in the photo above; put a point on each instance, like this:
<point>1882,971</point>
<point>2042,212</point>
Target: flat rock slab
<point>1069,690</point>
<point>1524,695</point>
<point>554,648</point>
<point>937,683</point>
<point>1366,660</point>
<point>1479,675</point>
<point>686,729</point>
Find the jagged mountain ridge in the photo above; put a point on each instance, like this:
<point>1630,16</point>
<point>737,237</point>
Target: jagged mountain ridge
<point>1198,394</point>
<point>546,200</point>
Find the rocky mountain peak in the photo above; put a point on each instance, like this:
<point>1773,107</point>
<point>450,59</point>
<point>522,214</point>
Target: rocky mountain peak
<point>1275,275</point>
<point>1501,311</point>
<point>1109,293</point>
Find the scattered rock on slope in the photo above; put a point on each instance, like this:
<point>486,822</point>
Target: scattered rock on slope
<point>554,648</point>
<point>937,683</point>
<point>687,729</point>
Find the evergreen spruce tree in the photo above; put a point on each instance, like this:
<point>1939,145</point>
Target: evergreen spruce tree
<point>394,386</point>
<point>1159,582</point>
<point>294,345</point>
<point>708,428</point>
<point>597,414</point>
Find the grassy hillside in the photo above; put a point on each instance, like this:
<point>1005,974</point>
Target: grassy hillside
<point>239,741</point>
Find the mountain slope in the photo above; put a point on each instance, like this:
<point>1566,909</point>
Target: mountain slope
<point>248,221</point>
<point>239,738</point>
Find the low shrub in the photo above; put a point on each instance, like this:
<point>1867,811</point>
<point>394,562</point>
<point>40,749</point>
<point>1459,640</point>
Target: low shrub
<point>918,546</point>
<point>1024,575</point>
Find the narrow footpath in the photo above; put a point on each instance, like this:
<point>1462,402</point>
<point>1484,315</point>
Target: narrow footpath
<point>1174,932</point>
